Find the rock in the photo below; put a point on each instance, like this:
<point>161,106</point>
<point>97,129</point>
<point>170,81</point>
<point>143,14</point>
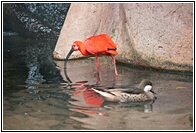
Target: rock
<point>34,20</point>
<point>157,35</point>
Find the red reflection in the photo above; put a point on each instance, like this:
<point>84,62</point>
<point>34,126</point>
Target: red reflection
<point>87,101</point>
<point>89,96</point>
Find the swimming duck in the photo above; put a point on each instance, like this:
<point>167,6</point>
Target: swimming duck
<point>143,92</point>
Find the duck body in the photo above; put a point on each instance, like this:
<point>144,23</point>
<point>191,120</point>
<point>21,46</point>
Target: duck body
<point>133,94</point>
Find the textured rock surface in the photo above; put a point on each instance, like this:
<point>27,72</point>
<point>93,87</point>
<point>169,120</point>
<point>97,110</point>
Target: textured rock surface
<point>158,35</point>
<point>34,20</point>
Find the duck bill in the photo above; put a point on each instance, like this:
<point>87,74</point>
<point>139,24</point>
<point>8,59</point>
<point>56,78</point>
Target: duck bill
<point>68,55</point>
<point>152,91</point>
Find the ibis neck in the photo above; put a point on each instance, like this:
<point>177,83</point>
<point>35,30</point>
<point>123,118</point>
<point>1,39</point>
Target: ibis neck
<point>82,49</point>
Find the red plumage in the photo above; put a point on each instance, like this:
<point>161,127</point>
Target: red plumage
<point>96,45</point>
<point>101,44</point>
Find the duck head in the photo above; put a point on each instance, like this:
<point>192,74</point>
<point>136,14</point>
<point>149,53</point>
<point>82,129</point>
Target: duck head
<point>146,85</point>
<point>148,88</point>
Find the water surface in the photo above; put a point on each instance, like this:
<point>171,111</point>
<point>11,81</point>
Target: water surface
<point>38,96</point>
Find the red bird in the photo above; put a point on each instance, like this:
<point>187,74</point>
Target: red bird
<point>95,45</point>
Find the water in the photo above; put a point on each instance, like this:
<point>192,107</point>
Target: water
<point>38,96</point>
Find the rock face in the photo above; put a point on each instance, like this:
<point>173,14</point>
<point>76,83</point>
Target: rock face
<point>157,35</point>
<point>34,20</point>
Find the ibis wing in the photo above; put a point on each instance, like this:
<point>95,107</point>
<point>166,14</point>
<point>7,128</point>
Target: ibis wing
<point>101,44</point>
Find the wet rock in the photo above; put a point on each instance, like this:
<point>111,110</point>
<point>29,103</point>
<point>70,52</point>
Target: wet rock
<point>34,20</point>
<point>157,35</point>
<point>52,13</point>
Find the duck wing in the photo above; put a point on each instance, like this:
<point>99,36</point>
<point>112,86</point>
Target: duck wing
<point>115,95</point>
<point>109,96</point>
<point>104,92</point>
<point>133,90</point>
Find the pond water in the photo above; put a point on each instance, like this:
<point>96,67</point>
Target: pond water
<point>38,96</point>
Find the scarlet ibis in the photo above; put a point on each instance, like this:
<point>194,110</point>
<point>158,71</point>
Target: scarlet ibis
<point>95,45</point>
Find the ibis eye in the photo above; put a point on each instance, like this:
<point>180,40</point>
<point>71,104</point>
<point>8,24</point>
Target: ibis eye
<point>75,47</point>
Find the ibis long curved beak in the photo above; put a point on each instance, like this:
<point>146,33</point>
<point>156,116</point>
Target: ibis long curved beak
<point>68,55</point>
<point>65,64</point>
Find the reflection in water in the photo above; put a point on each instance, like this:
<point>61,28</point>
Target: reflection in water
<point>34,76</point>
<point>97,109</point>
<point>84,97</point>
<point>38,96</point>
<point>102,115</point>
<point>86,101</point>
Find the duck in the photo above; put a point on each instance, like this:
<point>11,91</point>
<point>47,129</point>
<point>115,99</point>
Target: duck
<point>144,92</point>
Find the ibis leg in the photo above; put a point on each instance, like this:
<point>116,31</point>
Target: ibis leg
<point>98,68</point>
<point>114,62</point>
<point>97,61</point>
